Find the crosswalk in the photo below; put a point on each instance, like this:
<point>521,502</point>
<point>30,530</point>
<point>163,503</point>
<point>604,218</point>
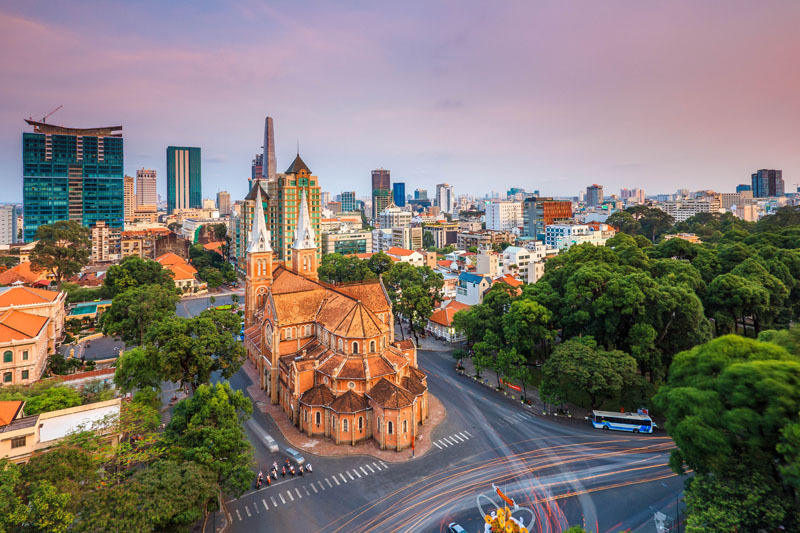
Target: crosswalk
<point>515,418</point>
<point>452,440</point>
<point>287,491</point>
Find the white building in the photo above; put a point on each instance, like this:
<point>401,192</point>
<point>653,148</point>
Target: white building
<point>381,240</point>
<point>406,256</point>
<point>685,208</point>
<point>503,216</point>
<point>445,198</point>
<point>471,287</point>
<point>488,263</point>
<point>562,236</point>
<point>146,193</point>
<point>394,217</point>
<point>515,261</point>
<point>8,224</point>
<point>407,237</point>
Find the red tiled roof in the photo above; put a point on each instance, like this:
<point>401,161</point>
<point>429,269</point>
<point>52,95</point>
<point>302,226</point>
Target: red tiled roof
<point>23,272</point>
<point>9,411</point>
<point>25,296</point>
<point>16,325</point>
<point>170,258</point>
<point>390,396</point>
<point>317,396</point>
<point>511,280</point>
<point>349,402</point>
<point>399,251</point>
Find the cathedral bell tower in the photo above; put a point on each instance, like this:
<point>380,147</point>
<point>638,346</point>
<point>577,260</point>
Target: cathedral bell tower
<point>259,263</point>
<point>304,249</point>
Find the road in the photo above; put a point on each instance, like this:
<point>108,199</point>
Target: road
<point>560,472</point>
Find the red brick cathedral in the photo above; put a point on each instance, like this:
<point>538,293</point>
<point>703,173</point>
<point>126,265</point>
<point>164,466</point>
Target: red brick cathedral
<point>327,353</point>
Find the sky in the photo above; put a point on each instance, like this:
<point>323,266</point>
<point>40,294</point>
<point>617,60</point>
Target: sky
<point>544,95</point>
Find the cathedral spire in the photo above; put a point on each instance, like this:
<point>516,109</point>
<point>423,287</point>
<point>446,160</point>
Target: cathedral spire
<point>259,240</point>
<point>304,234</point>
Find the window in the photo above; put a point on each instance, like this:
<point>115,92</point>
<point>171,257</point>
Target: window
<point>389,428</point>
<point>7,377</point>
<point>8,357</point>
<point>318,418</point>
<point>25,355</point>
<point>361,423</point>
<point>344,425</point>
<point>325,380</point>
<point>305,415</point>
<point>341,345</point>
<point>371,346</point>
<point>355,347</point>
<point>18,442</point>
<point>24,374</point>
<point>379,424</point>
<point>405,426</point>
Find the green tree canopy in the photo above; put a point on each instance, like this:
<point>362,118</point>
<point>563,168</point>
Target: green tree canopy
<point>133,271</point>
<point>136,310</point>
<point>415,292</point>
<point>62,248</point>
<point>337,268</point>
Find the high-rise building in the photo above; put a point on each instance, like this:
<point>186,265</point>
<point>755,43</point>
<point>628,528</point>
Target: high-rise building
<point>8,224</point>
<point>399,193</point>
<point>72,174</point>
<point>146,191</point>
<point>538,212</point>
<point>420,194</point>
<point>767,183</point>
<point>594,195</point>
<point>256,170</point>
<point>224,203</point>
<point>503,216</point>
<point>284,206</point>
<point>381,191</point>
<point>444,198</point>
<point>744,187</point>
<point>184,183</point>
<point>348,199</point>
<point>129,197</point>
<point>269,166</point>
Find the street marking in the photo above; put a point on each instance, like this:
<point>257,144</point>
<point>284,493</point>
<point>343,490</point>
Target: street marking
<point>288,493</point>
<point>442,442</point>
<point>457,437</point>
<point>468,433</point>
<point>376,465</point>
<point>265,504</point>
<point>305,489</point>
<point>362,469</point>
<point>274,503</point>
<point>321,485</point>
<point>462,434</point>
<point>370,468</point>
<point>238,515</point>
<point>453,439</point>
<point>328,481</point>
<point>437,445</point>
<point>255,506</point>
<point>299,496</point>
<point>350,475</point>
<point>315,488</point>
<point>384,464</point>
<point>247,510</point>
<point>343,478</point>
<point>336,480</point>
<point>284,501</point>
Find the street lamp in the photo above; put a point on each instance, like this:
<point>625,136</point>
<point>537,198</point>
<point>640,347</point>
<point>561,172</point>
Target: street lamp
<point>677,507</point>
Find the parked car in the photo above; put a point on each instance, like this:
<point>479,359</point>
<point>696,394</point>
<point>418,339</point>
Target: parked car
<point>455,528</point>
<point>295,456</point>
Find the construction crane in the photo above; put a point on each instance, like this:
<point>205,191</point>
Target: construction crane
<point>44,118</point>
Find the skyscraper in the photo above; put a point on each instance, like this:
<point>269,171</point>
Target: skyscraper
<point>348,201</point>
<point>540,212</point>
<point>184,189</point>
<point>399,193</point>
<point>381,191</point>
<point>743,188</point>
<point>269,168</point>
<point>224,203</point>
<point>444,198</point>
<point>71,174</point>
<point>284,206</point>
<point>256,170</point>
<point>420,194</point>
<point>594,195</point>
<point>146,191</point>
<point>129,197</point>
<point>767,183</point>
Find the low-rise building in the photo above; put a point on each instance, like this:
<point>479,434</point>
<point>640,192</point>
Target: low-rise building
<point>563,236</point>
<point>183,274</point>
<point>471,288</point>
<point>515,261</point>
<point>690,237</point>
<point>488,263</point>
<point>346,242</point>
<point>440,324</point>
<point>407,237</point>
<point>686,208</point>
<point>381,240</point>
<point>49,304</point>
<point>394,217</point>
<point>23,345</point>
<point>483,239</point>
<point>403,255</point>
<point>105,243</point>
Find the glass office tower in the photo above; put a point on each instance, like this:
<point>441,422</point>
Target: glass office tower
<point>71,174</point>
<point>183,178</point>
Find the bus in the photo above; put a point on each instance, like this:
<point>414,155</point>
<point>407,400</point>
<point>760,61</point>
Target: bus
<point>636,422</point>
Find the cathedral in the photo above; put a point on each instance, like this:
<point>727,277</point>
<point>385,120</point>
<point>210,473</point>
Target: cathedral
<point>326,353</point>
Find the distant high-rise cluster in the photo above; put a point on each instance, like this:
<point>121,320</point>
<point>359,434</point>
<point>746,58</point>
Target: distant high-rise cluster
<point>632,195</point>
<point>184,188</point>
<point>399,193</point>
<point>72,174</point>
<point>349,203</point>
<point>445,198</point>
<point>224,203</point>
<point>381,191</point>
<point>146,189</point>
<point>767,183</point>
<point>594,195</point>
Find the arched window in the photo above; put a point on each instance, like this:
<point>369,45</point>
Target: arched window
<point>389,427</point>
<point>361,423</point>
<point>355,347</point>
<point>379,425</point>
<point>341,345</point>
<point>305,415</point>
<point>305,263</point>
<point>344,425</point>
<point>8,357</point>
<point>318,418</point>
<point>371,346</point>
<point>405,426</point>
<point>383,342</point>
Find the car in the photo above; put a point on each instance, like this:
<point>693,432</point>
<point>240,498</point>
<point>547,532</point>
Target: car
<point>455,528</point>
<point>295,456</point>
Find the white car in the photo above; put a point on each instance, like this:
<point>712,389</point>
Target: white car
<point>455,528</point>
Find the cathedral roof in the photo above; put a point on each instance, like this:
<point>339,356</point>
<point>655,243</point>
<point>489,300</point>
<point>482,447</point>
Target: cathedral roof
<point>259,240</point>
<point>388,395</point>
<point>349,402</point>
<point>297,166</point>
<point>413,385</point>
<point>254,190</point>
<point>317,396</point>
<point>286,281</point>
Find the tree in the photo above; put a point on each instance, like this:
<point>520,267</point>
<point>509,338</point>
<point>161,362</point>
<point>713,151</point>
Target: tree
<point>526,325</point>
<point>136,310</point>
<point>380,263</point>
<point>654,221</point>
<point>415,292</point>
<point>337,268</point>
<point>139,368</point>
<point>206,428</point>
<point>427,239</point>
<point>212,276</point>
<point>191,349</point>
<point>52,399</point>
<point>62,248</point>
<point>577,365</point>
<point>624,222</point>
<point>133,271</point>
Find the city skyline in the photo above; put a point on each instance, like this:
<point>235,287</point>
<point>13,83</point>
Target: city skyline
<point>626,96</point>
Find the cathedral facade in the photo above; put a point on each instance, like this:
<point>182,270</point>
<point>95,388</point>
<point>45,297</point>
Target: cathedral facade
<point>326,354</point>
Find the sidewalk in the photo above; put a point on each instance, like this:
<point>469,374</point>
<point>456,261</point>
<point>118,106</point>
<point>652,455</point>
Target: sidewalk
<point>326,447</point>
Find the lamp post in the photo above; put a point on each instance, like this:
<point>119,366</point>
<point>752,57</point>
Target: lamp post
<point>677,507</point>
